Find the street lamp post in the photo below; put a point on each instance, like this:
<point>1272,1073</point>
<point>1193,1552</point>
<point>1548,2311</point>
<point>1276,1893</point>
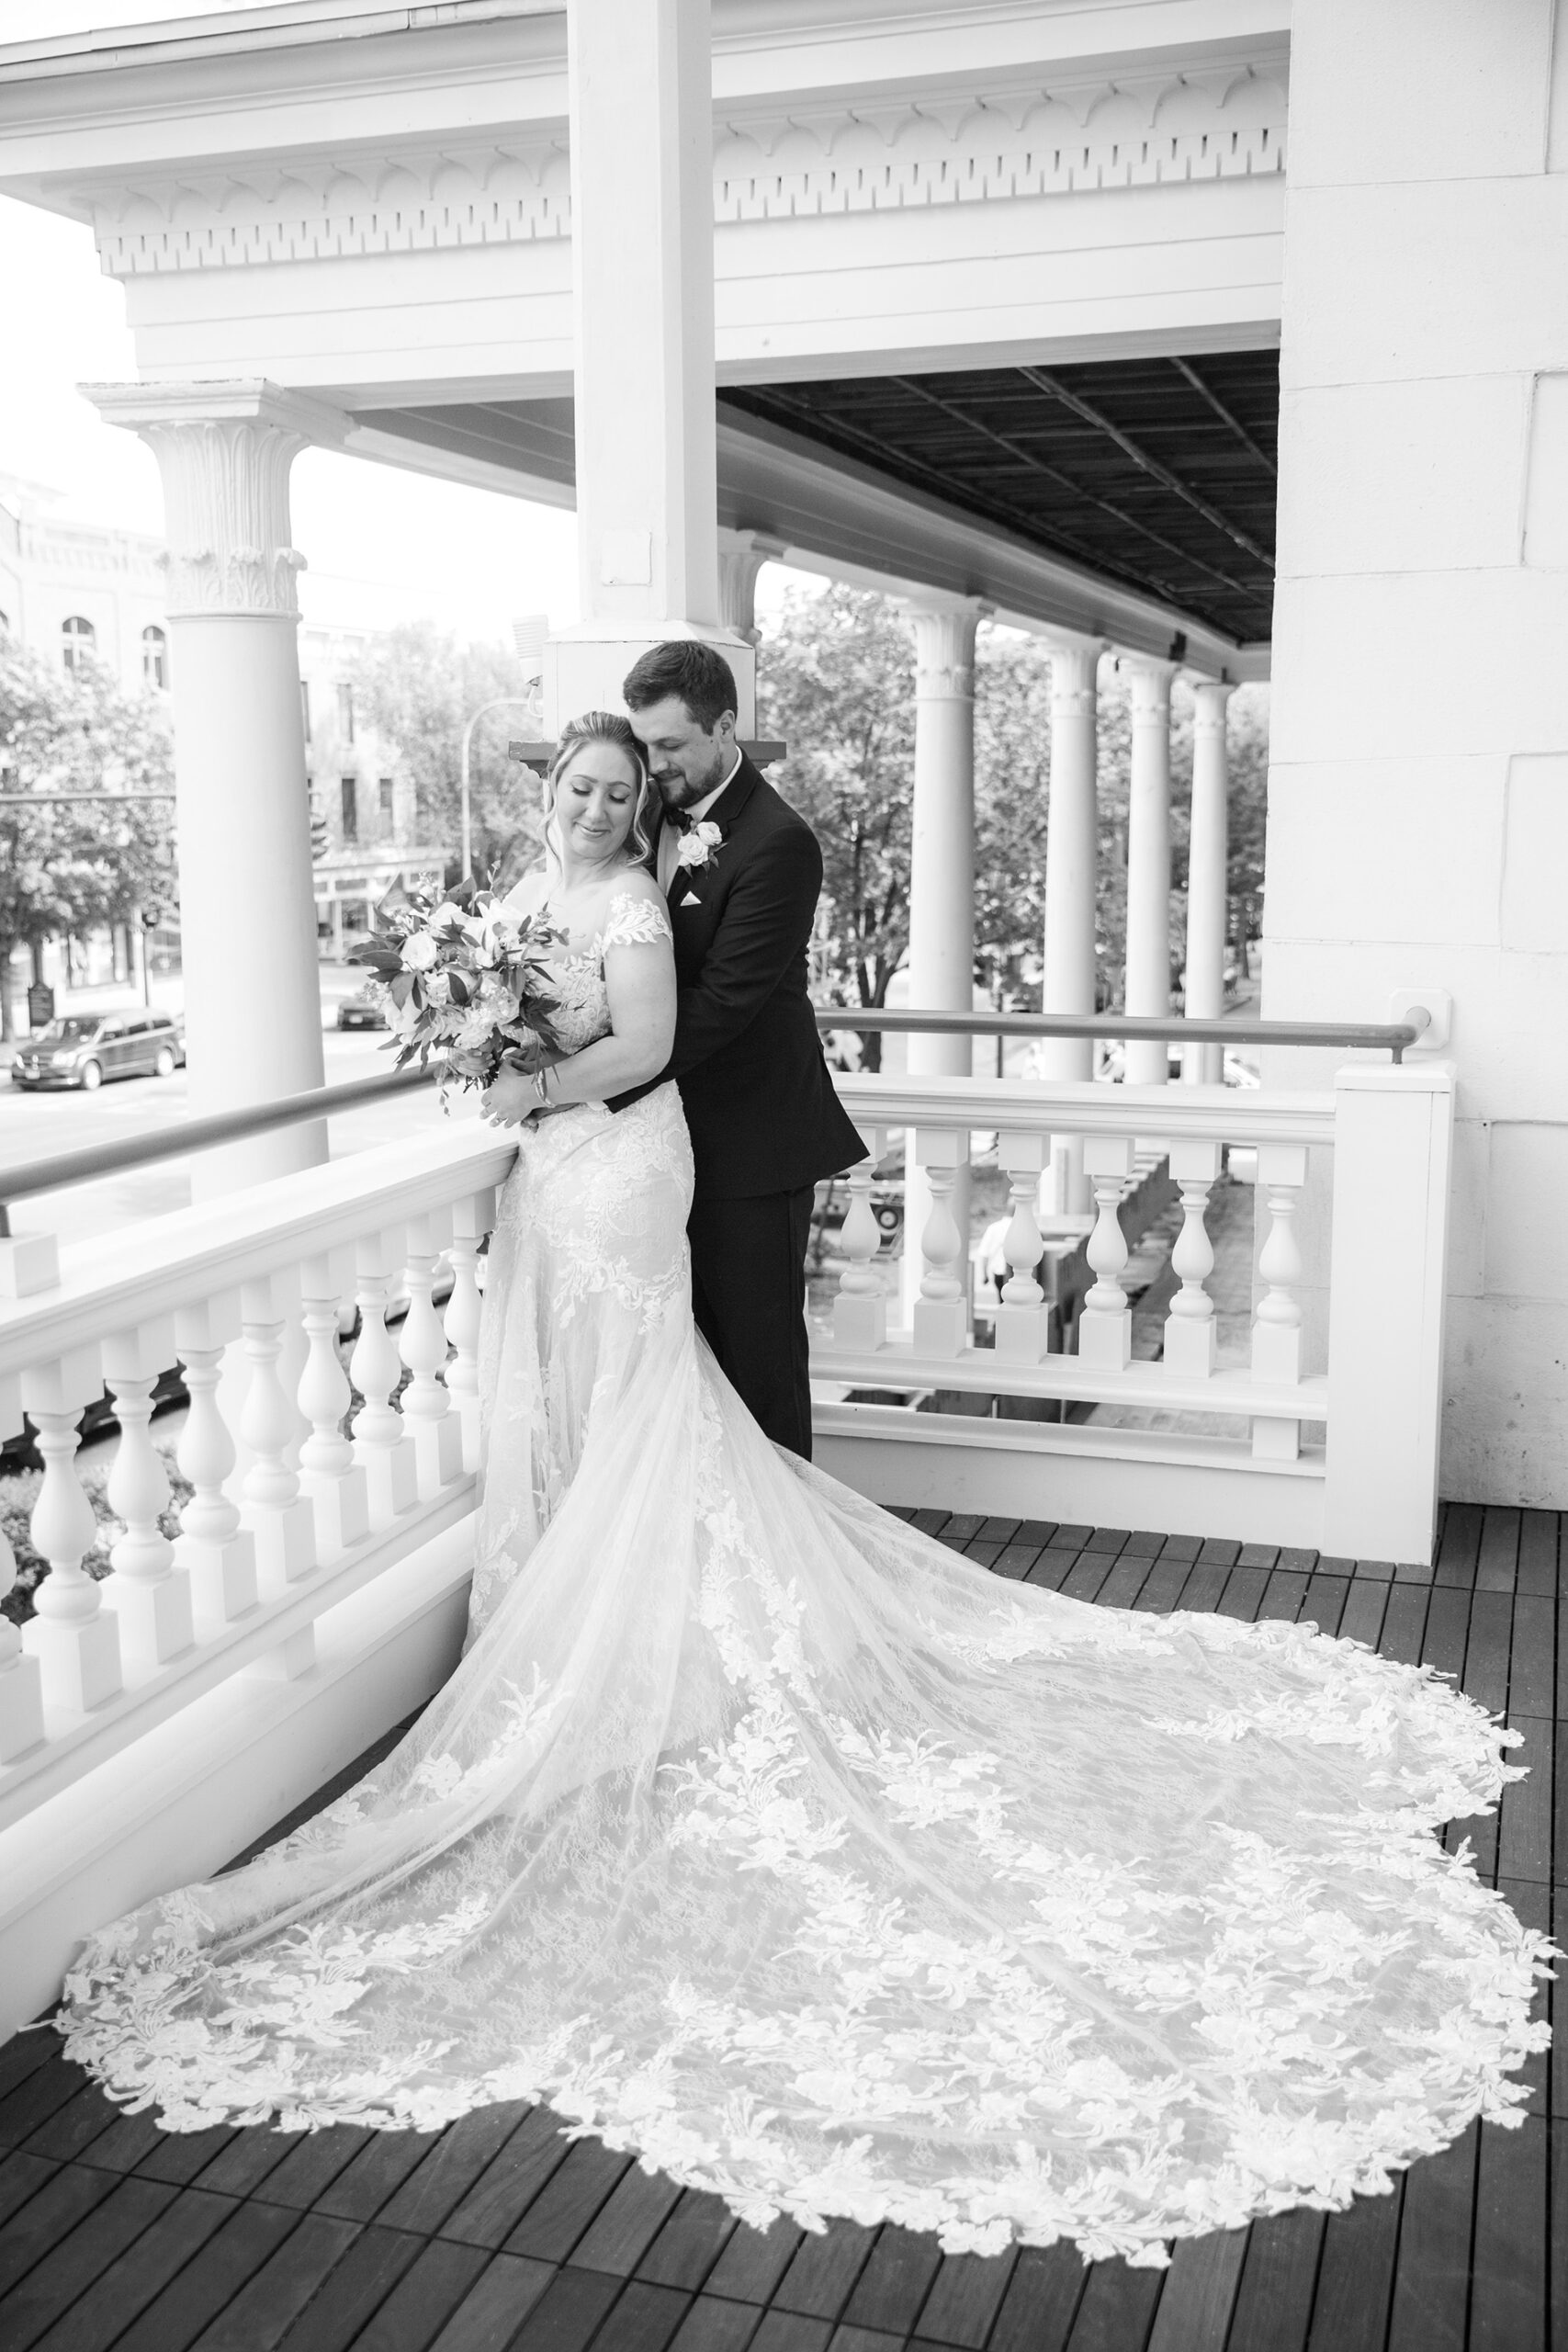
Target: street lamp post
<point>502,702</point>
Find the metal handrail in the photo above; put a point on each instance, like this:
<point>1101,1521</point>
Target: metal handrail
<point>1397,1036</point>
<point>68,1168</point>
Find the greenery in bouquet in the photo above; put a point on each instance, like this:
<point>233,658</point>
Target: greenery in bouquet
<point>464,978</point>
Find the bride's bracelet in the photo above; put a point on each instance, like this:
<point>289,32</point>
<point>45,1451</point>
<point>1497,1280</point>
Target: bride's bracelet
<point>541,1082</point>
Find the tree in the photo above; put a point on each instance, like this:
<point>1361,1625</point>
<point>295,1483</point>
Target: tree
<point>418,687</point>
<point>67,866</point>
<point>836,681</point>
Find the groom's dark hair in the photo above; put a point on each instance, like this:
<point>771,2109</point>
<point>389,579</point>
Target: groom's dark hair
<point>683,666</point>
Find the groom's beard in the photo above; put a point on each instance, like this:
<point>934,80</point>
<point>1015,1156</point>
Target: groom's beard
<point>679,791</point>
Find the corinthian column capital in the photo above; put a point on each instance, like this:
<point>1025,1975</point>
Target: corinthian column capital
<point>1210,697</point>
<point>224,451</point>
<point>1151,681</point>
<point>1074,669</point>
<point>944,646</point>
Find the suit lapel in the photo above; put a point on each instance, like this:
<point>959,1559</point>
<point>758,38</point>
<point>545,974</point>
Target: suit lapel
<point>725,812</point>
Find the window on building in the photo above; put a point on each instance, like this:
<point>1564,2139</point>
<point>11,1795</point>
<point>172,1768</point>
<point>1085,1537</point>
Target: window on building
<point>77,638</point>
<point>385,792</point>
<point>349,787</point>
<point>154,658</point>
<point>305,708</point>
<point>345,713</point>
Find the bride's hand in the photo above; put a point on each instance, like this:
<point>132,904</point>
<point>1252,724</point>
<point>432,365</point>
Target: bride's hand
<point>509,1097</point>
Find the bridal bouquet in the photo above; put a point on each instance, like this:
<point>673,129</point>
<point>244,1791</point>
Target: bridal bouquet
<point>464,979</point>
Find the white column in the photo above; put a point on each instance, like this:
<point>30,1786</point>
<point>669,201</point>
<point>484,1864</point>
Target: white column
<point>1207,872</point>
<point>942,882</point>
<point>1148,865</point>
<point>641,130</point>
<point>247,903</point>
<point>741,555</point>
<point>1072,836</point>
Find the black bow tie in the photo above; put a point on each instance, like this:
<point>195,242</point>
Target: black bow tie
<point>681,819</point>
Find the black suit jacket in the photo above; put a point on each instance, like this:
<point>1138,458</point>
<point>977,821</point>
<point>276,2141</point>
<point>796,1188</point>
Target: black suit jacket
<point>760,1104</point>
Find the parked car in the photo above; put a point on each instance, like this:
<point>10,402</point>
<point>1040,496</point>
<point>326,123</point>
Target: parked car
<point>1234,1071</point>
<point>362,1011</point>
<point>83,1048</point>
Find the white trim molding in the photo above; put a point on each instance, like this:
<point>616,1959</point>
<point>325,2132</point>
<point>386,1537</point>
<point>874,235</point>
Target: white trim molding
<point>946,148</point>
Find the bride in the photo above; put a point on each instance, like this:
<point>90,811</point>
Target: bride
<point>761,1835</point>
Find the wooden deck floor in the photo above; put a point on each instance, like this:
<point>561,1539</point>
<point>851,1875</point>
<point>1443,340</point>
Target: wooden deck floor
<point>499,2234</point>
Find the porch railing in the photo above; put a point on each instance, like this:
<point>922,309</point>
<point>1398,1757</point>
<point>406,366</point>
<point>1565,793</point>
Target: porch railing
<point>1326,1437</point>
<point>153,1721</point>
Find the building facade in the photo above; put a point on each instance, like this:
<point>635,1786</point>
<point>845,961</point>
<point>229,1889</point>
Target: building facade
<point>365,833</point>
<point>72,591</point>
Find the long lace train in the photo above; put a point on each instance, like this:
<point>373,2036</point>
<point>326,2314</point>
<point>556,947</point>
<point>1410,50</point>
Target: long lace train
<point>763,1835</point>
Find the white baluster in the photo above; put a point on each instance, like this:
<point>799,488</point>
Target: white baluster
<point>1022,1323</point>
<point>1277,1331</point>
<point>1276,1328</point>
<point>73,1638</point>
<point>471,1220</point>
<point>21,1685</point>
<point>218,1553</point>
<point>1190,1334</point>
<point>860,1310</point>
<point>328,1471</point>
<point>941,1317</point>
<point>381,1444</point>
<point>435,1430</point>
<point>278,1515</point>
<point>1105,1323</point>
<point>148,1592</point>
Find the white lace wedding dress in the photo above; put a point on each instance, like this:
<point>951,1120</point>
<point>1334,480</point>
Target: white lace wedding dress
<point>761,1835</point>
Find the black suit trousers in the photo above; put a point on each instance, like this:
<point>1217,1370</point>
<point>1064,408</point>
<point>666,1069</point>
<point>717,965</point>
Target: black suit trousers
<point>748,1299</point>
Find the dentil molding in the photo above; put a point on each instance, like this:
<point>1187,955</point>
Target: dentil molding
<point>886,156</point>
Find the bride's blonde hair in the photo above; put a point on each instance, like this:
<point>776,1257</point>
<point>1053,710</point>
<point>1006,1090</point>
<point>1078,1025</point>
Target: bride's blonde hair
<point>604,727</point>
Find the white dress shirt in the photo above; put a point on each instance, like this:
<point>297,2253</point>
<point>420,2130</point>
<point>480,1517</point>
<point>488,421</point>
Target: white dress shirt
<point>670,840</point>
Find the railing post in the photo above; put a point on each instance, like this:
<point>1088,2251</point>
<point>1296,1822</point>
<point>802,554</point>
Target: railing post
<point>1105,1324</point>
<point>1022,1318</point>
<point>1189,1332</point>
<point>328,1471</point>
<point>75,1639</point>
<point>940,1317</point>
<point>472,1218</point>
<point>149,1593</point>
<point>437,1431</point>
<point>381,1441</point>
<point>217,1551</point>
<point>1392,1150</point>
<point>860,1310</point>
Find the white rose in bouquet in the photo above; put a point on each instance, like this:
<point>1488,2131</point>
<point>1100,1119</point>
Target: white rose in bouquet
<point>420,953</point>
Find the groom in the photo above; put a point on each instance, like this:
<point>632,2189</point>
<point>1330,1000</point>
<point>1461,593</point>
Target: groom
<point>764,1120</point>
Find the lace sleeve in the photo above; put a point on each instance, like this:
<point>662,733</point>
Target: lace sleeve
<point>635,923</point>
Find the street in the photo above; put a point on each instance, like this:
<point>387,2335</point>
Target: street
<point>36,1126</point>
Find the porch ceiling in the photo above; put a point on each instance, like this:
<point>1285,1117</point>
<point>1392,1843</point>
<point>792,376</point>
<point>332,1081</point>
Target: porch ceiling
<point>1157,473</point>
<point>1133,498</point>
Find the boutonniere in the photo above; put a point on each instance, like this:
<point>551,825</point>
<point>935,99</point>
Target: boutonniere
<point>699,845</point>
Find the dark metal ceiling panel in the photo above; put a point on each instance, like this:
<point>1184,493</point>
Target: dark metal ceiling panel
<point>1160,473</point>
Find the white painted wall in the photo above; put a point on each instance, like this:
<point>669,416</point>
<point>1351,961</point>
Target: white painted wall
<point>1419,795</point>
